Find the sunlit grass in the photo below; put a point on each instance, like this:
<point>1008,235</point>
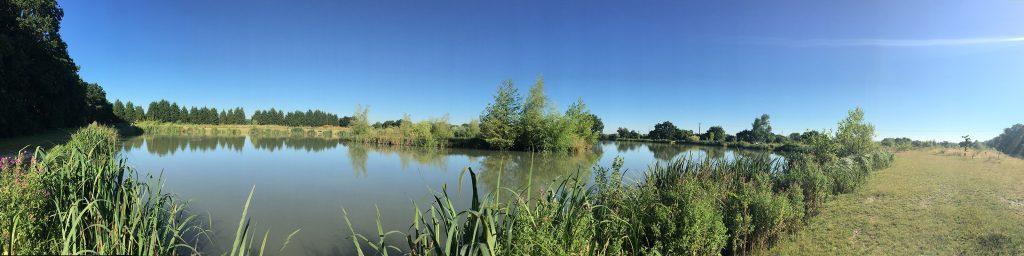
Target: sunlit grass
<point>930,202</point>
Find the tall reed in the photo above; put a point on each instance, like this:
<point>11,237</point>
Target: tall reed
<point>687,206</point>
<point>81,198</point>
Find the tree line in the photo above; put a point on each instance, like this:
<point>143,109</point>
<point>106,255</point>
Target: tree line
<point>295,118</point>
<point>760,132</point>
<point>41,88</point>
<point>171,112</point>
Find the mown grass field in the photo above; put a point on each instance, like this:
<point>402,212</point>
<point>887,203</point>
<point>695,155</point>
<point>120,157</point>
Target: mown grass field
<point>929,202</point>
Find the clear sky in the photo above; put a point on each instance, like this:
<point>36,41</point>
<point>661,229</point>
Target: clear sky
<point>920,69</point>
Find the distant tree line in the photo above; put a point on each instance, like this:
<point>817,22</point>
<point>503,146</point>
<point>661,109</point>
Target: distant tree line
<point>904,143</point>
<point>1010,142</point>
<point>39,83</point>
<point>165,111</point>
<point>760,132</point>
<point>295,118</point>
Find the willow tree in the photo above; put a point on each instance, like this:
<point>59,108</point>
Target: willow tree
<point>498,122</point>
<point>360,123</point>
<point>533,120</point>
<point>761,129</point>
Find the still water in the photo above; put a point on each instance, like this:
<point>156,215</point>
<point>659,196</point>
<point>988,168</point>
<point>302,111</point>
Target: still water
<point>303,183</point>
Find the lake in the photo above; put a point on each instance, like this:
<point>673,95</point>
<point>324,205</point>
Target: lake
<point>303,183</point>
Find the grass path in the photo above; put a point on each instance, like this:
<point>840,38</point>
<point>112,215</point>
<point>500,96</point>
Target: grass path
<point>930,202</point>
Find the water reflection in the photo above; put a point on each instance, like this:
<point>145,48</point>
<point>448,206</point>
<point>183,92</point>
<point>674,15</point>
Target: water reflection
<point>169,145</point>
<point>166,145</point>
<point>512,168</point>
<point>304,182</point>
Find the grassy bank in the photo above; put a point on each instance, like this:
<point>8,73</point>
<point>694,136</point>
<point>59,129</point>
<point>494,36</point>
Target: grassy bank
<point>930,202</point>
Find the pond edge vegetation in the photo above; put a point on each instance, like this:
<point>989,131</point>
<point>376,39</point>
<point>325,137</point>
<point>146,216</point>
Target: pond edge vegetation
<point>98,205</point>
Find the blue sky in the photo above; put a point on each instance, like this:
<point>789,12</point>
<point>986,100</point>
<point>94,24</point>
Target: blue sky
<point>920,69</point>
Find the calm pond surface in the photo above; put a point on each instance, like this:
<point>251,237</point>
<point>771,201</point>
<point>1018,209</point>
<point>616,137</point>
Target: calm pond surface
<point>305,182</point>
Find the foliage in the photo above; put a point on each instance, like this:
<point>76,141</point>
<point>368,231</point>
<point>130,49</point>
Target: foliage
<point>295,118</point>
<point>535,125</point>
<point>534,122</point>
<point>39,83</point>
<point>622,132</point>
<point>498,122</point>
<point>761,130</point>
<point>433,132</point>
<point>345,121</point>
<point>854,135</point>
<point>714,133</point>
<point>598,126</point>
<point>81,198</point>
<point>1011,141</point>
<point>686,206</point>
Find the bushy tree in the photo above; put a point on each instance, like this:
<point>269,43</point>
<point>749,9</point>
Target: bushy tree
<point>598,126</point>
<point>715,133</point>
<point>498,122</point>
<point>360,121</point>
<point>745,135</point>
<point>665,131</point>
<point>762,129</point>
<point>345,121</point>
<point>855,136</point>
<point>580,124</point>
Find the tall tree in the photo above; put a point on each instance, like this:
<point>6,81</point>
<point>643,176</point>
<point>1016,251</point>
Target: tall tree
<point>762,129</point>
<point>498,122</point>
<point>119,110</point>
<point>531,133</point>
<point>39,83</point>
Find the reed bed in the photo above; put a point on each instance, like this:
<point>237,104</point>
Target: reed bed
<point>81,198</point>
<point>687,206</point>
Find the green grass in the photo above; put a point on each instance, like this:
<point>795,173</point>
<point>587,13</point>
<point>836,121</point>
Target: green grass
<point>930,202</point>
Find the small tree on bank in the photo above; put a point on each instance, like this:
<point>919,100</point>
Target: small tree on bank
<point>497,123</point>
